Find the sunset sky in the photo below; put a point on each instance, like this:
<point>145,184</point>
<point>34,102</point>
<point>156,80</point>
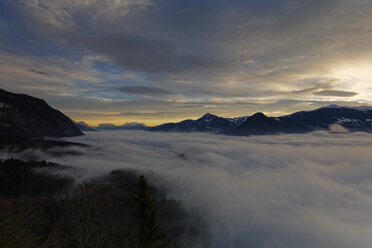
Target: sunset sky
<point>155,61</point>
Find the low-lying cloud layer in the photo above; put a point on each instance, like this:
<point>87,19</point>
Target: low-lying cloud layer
<point>306,190</point>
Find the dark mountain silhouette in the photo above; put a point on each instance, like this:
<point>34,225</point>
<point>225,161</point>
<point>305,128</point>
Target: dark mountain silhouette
<point>207,123</point>
<point>126,126</point>
<point>352,118</point>
<point>26,116</point>
<point>259,124</point>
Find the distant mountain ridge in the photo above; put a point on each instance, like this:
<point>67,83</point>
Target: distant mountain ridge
<point>109,126</point>
<point>26,116</point>
<point>351,118</point>
<point>259,124</point>
<point>82,126</point>
<point>207,123</point>
<point>126,126</point>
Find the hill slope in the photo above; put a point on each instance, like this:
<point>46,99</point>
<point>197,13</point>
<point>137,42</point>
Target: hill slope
<point>26,116</point>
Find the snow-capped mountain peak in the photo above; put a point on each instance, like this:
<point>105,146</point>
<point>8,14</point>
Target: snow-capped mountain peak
<point>335,106</point>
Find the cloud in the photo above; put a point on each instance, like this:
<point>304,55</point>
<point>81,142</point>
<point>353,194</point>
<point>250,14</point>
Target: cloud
<point>39,72</point>
<point>3,25</point>
<point>323,84</point>
<point>239,51</point>
<point>59,76</point>
<point>305,190</point>
<point>149,114</point>
<point>338,93</point>
<point>284,41</point>
<point>62,13</point>
<point>143,90</point>
<point>144,54</point>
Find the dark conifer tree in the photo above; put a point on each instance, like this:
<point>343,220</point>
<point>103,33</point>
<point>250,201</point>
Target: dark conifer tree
<point>150,235</point>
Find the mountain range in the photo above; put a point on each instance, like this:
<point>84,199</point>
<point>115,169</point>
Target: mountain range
<point>26,116</point>
<point>351,118</point>
<point>126,126</point>
<point>82,126</point>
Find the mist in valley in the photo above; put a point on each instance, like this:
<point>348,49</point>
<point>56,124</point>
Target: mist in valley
<point>303,190</point>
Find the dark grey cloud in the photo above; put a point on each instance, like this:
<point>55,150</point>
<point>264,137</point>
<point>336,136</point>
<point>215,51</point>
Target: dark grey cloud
<point>324,84</point>
<point>144,90</point>
<point>40,72</point>
<point>169,37</point>
<point>338,93</point>
<point>146,54</point>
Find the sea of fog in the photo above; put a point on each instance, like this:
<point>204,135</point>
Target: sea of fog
<point>304,190</point>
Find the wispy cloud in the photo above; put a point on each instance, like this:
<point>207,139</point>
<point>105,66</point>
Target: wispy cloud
<point>144,90</point>
<point>62,13</point>
<point>338,93</point>
<point>39,72</point>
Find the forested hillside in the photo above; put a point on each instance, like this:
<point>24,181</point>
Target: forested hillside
<point>40,206</point>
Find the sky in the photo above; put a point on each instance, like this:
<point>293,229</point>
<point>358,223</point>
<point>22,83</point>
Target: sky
<point>155,61</point>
